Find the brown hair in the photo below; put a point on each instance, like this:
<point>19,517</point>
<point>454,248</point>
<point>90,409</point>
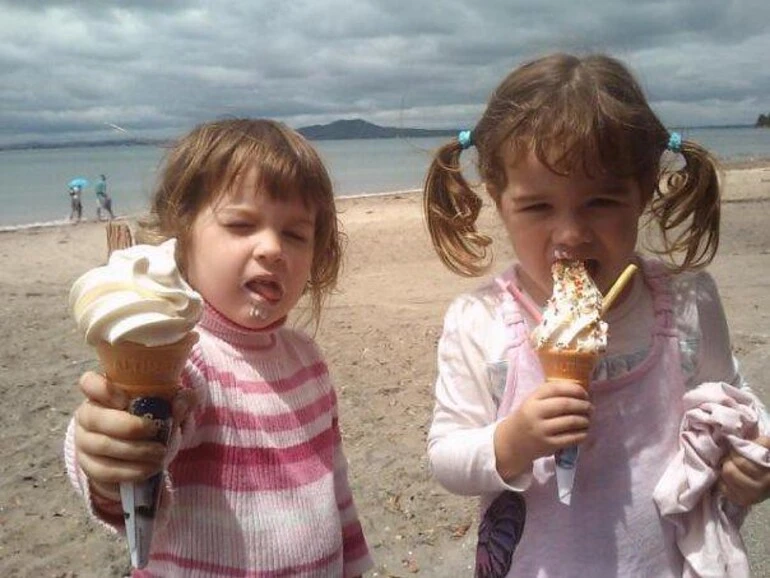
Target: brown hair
<point>205,163</point>
<point>574,113</point>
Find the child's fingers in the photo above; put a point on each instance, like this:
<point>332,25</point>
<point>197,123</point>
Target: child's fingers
<point>564,431</point>
<point>96,444</point>
<point>550,434</point>
<point>112,471</point>
<point>561,388</point>
<point>746,467</point>
<point>105,490</point>
<point>738,493</point>
<point>114,423</point>
<point>98,389</point>
<point>744,485</point>
<point>568,439</point>
<point>763,441</point>
<point>566,424</point>
<point>564,406</point>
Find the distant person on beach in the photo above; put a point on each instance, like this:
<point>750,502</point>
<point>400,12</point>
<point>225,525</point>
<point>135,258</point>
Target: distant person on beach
<point>257,479</point>
<point>573,157</point>
<point>103,199</point>
<point>76,205</point>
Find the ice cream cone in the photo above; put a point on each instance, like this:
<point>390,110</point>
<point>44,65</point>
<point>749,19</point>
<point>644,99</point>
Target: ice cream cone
<point>143,371</point>
<point>568,365</point>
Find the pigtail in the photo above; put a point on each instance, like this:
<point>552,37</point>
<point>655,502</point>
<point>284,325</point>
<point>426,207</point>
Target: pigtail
<point>451,209</point>
<point>687,211</point>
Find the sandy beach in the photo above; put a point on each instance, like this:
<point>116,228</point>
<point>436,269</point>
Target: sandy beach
<point>379,334</point>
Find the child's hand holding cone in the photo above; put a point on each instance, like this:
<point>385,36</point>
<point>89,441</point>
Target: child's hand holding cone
<point>114,446</point>
<point>556,415</point>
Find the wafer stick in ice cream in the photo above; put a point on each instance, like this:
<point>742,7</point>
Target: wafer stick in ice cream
<point>617,287</point>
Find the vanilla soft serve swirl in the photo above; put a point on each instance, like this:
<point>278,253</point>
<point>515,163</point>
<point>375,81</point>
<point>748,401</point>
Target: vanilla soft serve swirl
<point>572,316</point>
<point>139,296</point>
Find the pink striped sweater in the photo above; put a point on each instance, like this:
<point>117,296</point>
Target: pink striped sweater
<point>257,485</point>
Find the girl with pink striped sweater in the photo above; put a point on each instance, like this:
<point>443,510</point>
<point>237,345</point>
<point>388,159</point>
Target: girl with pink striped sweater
<point>255,478</point>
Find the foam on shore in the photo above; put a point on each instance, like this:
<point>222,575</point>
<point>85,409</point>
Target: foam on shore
<point>53,224</point>
<point>64,222</point>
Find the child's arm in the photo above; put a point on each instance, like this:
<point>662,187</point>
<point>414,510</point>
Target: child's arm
<point>743,482</point>
<point>472,452</point>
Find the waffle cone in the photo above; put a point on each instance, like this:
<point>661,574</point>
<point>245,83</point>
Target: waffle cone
<point>142,371</point>
<point>568,365</point>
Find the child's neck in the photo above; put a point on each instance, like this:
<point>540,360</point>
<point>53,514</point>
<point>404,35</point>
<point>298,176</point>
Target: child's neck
<point>238,335</point>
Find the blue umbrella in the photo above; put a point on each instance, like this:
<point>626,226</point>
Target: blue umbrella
<point>78,182</point>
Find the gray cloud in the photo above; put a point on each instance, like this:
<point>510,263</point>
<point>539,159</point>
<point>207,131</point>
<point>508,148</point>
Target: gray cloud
<point>67,69</point>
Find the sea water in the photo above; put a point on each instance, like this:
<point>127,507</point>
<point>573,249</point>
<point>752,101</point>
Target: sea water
<point>33,185</point>
<point>33,189</point>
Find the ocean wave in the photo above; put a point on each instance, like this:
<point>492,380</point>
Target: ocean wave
<point>37,225</point>
<point>358,195</point>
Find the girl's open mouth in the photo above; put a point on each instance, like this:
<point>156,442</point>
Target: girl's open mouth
<point>266,289</point>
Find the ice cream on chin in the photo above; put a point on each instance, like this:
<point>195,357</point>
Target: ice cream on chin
<point>571,334</point>
<point>139,313</point>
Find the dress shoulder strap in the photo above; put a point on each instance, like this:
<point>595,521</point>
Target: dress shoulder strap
<point>658,280</point>
<point>510,304</point>
<point>502,371</point>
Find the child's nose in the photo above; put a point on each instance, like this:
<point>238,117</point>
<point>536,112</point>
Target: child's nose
<point>268,246</point>
<point>572,230</point>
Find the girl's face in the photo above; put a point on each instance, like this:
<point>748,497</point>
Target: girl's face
<point>250,256</point>
<point>592,219</point>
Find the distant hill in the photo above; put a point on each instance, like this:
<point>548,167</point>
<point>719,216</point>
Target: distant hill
<point>357,128</point>
<point>82,144</point>
<point>337,130</point>
<point>763,121</point>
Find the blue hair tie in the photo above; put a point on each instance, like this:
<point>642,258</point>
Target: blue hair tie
<point>674,142</point>
<point>465,138</point>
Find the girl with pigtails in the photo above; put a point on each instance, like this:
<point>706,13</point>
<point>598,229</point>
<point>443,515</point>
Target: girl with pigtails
<point>673,443</point>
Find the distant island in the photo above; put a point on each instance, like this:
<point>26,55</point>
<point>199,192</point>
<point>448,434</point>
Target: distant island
<point>357,128</point>
<point>337,130</point>
<point>763,121</point>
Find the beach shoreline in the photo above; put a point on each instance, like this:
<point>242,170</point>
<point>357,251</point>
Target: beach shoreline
<point>758,163</point>
<point>378,332</point>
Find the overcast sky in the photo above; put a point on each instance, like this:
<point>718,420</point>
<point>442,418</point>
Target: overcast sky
<point>71,70</point>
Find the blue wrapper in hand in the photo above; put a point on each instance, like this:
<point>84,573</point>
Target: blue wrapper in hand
<point>566,462</point>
